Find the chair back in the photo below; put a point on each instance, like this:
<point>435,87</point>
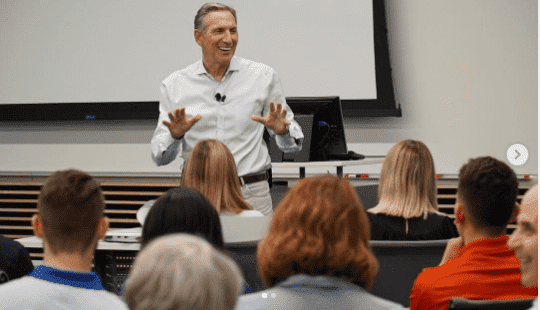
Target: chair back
<point>467,304</point>
<point>241,236</point>
<point>3,276</point>
<point>243,229</point>
<point>400,263</point>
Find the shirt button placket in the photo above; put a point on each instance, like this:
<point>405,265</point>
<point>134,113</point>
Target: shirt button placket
<point>220,119</point>
<point>221,125</point>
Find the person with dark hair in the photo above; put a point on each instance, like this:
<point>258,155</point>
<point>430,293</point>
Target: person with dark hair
<point>227,98</point>
<point>184,210</point>
<point>407,208</point>
<point>478,264</point>
<point>15,261</point>
<point>70,220</point>
<point>316,254</point>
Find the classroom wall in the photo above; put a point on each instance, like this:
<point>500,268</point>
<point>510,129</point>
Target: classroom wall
<point>465,74</point>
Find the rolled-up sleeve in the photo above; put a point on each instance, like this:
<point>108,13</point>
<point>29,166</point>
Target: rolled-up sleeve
<point>164,147</point>
<point>292,142</point>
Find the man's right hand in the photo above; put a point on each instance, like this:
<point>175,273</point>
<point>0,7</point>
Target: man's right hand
<point>179,125</point>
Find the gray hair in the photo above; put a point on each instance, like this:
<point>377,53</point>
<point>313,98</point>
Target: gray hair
<point>207,8</point>
<point>182,271</point>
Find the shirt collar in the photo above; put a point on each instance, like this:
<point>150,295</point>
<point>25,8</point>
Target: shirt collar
<point>482,244</point>
<point>86,280</point>
<point>234,65</point>
<point>322,282</point>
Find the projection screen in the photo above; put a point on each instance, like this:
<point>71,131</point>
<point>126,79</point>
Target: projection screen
<point>65,51</point>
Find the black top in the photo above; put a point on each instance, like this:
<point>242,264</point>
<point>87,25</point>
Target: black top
<point>15,261</point>
<point>386,227</point>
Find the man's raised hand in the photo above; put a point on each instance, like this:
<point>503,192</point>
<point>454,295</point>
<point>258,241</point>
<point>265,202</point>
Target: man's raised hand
<point>179,125</point>
<point>275,120</point>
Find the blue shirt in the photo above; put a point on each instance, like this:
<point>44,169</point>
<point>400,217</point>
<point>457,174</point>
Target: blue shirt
<point>87,280</point>
<point>248,88</point>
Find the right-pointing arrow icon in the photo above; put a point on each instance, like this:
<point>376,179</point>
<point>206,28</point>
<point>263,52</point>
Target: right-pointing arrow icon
<point>517,154</point>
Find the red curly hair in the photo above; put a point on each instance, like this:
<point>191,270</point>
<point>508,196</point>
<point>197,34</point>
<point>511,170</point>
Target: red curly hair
<point>319,228</point>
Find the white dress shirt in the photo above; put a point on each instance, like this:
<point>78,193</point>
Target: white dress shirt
<point>247,89</point>
<point>245,213</point>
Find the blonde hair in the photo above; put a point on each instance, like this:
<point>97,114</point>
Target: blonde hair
<point>211,170</point>
<point>182,271</point>
<point>407,186</point>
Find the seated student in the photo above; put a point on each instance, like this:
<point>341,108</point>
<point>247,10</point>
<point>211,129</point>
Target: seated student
<point>478,264</point>
<point>181,271</point>
<point>524,240</point>
<point>15,261</point>
<point>211,169</point>
<point>316,254</point>
<point>184,210</point>
<point>407,208</point>
<point>70,220</point>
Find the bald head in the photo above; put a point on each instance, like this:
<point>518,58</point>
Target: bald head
<point>524,240</point>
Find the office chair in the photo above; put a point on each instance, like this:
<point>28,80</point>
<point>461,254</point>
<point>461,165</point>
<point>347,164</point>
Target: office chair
<point>400,263</point>
<point>467,304</point>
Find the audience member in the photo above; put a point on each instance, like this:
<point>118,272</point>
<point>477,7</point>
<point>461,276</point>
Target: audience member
<point>184,210</point>
<point>15,261</point>
<point>316,254</point>
<point>211,169</point>
<point>524,240</point>
<point>70,220</point>
<point>182,271</point>
<point>407,208</point>
<point>478,264</point>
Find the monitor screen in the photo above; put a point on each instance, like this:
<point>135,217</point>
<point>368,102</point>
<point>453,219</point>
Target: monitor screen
<point>327,141</point>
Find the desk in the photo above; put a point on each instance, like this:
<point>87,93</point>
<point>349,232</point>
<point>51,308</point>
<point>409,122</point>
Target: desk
<point>35,242</point>
<point>337,164</point>
<point>236,230</point>
<point>113,260</point>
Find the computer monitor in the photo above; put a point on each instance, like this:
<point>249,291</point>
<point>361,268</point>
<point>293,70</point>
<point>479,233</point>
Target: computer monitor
<point>323,114</point>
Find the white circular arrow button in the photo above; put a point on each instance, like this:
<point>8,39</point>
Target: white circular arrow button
<point>517,154</point>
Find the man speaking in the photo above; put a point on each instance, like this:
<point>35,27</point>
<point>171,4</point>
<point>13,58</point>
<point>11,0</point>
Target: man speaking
<point>229,99</point>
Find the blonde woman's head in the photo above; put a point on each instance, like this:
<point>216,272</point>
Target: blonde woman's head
<point>407,184</point>
<point>211,169</point>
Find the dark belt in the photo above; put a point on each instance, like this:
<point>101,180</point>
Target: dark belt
<point>263,176</point>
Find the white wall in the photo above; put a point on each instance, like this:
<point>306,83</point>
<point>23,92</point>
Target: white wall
<point>120,50</point>
<point>465,72</point>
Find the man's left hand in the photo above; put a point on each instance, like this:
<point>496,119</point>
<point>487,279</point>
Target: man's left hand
<point>275,120</point>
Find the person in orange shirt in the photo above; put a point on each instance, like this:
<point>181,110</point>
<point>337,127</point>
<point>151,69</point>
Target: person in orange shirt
<point>478,264</point>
